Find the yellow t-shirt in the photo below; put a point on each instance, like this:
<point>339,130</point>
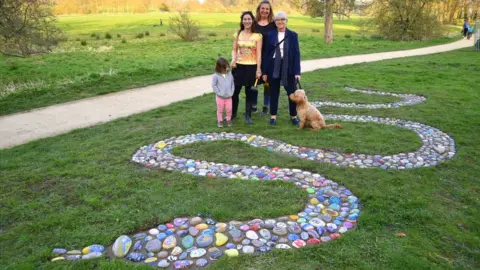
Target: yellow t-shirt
<point>247,49</point>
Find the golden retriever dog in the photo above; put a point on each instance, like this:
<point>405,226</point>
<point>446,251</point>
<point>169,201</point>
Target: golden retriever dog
<point>309,113</point>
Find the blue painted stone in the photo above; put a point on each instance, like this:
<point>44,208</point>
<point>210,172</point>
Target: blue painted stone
<point>191,249</point>
<point>150,254</point>
<point>302,220</point>
<point>59,250</point>
<point>337,222</point>
<point>201,262</point>
<point>179,221</point>
<point>73,257</point>
<point>121,246</point>
<point>293,237</point>
<point>307,227</point>
<point>169,232</point>
<point>183,255</point>
<point>139,236</point>
<point>274,238</point>
<point>161,236</point>
<point>204,240</point>
<point>136,257</point>
<point>162,227</point>
<point>148,238</point>
<point>334,206</point>
<point>210,231</point>
<point>193,231</point>
<point>216,254</point>
<point>230,245</point>
<point>182,233</point>
<point>304,235</point>
<point>182,264</point>
<point>320,231</point>
<point>312,234</point>
<point>153,245</point>
<point>264,249</point>
<point>308,210</point>
<point>138,245</point>
<point>334,199</point>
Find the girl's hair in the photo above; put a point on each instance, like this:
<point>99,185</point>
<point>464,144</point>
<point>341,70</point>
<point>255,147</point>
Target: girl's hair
<point>222,65</point>
<point>241,22</point>
<point>270,15</point>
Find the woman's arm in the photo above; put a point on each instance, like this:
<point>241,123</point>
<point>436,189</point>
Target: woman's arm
<point>297,57</point>
<point>215,85</point>
<point>259,57</point>
<point>234,51</point>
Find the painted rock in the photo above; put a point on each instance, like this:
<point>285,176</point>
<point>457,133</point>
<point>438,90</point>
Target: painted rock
<point>162,254</point>
<point>153,245</point>
<point>252,235</point>
<point>215,253</point>
<point>74,252</point>
<point>298,243</point>
<point>73,257</point>
<point>201,262</point>
<point>198,253</point>
<point>121,246</point>
<point>195,221</point>
<point>248,249</point>
<point>151,261</point>
<point>316,222</point>
<point>170,242</point>
<point>187,241</point>
<point>59,251</point>
<point>163,264</point>
<point>136,257</point>
<point>193,231</point>
<point>221,239</point>
<point>182,264</point>
<point>154,231</point>
<point>201,226</point>
<point>280,230</point>
<point>204,240</point>
<point>138,245</point>
<point>283,246</point>
<point>58,259</point>
<point>176,251</point>
<point>220,227</point>
<point>231,252</point>
<point>264,233</point>
<point>92,255</point>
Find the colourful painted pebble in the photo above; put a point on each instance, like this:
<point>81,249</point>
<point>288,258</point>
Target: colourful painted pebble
<point>121,246</point>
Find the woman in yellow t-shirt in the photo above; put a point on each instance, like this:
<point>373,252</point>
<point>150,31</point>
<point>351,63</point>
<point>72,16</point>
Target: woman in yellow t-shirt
<point>246,62</point>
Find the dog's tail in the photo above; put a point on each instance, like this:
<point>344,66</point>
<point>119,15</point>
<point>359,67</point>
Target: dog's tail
<point>338,126</point>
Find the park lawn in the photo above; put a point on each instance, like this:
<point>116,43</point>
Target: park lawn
<point>80,188</point>
<point>73,71</point>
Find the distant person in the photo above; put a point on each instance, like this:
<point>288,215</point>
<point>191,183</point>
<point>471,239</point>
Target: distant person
<point>246,62</point>
<point>470,32</point>
<point>265,24</point>
<point>466,25</point>
<point>223,86</point>
<point>281,65</point>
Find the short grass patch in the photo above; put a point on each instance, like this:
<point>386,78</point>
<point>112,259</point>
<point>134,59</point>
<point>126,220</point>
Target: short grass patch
<point>80,188</point>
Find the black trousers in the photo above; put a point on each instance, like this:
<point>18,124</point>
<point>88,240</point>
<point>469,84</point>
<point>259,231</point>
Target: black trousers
<point>275,94</point>
<point>236,97</point>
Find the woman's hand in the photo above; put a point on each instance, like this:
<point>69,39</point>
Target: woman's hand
<point>297,77</point>
<point>259,74</point>
<point>233,64</point>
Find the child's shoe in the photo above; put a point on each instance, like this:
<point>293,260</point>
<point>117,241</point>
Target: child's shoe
<point>220,124</point>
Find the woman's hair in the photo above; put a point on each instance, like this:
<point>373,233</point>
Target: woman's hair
<point>281,14</point>
<point>241,22</point>
<point>270,15</point>
<point>222,65</point>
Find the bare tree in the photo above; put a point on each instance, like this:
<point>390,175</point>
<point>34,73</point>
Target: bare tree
<point>27,27</point>
<point>328,35</point>
<point>184,27</point>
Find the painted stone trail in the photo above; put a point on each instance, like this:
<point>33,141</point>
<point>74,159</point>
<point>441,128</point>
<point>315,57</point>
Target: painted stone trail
<point>331,209</point>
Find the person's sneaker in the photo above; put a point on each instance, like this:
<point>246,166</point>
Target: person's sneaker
<point>248,120</point>
<point>264,111</point>
<point>229,123</point>
<point>295,121</point>
<point>254,109</point>
<point>272,121</point>
<point>220,124</point>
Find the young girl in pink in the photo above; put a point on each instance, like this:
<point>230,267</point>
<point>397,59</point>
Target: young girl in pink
<point>222,84</point>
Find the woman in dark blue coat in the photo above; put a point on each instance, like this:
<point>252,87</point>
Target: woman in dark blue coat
<point>281,65</point>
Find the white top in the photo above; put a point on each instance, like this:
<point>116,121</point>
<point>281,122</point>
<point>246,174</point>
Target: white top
<point>281,36</point>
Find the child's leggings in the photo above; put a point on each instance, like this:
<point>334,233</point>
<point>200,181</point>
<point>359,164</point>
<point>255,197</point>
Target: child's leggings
<point>224,103</point>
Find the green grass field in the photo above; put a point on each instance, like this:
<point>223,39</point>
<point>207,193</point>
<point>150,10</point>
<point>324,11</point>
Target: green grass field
<point>80,188</point>
<point>104,65</point>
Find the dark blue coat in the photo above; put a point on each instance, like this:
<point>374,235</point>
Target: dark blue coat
<point>268,61</point>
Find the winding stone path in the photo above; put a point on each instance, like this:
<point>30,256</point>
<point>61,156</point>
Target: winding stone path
<point>23,127</point>
<point>331,209</point>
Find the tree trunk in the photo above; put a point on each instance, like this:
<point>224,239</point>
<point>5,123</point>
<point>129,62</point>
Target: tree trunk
<point>328,35</point>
